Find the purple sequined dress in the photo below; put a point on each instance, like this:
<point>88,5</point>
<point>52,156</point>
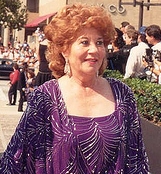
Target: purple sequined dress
<point>49,141</point>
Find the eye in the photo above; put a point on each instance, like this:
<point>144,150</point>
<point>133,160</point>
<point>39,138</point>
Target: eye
<point>84,42</point>
<point>100,43</point>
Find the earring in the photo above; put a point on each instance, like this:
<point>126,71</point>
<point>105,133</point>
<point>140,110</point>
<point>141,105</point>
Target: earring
<point>67,68</point>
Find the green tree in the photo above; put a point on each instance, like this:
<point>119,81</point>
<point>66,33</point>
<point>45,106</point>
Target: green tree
<point>13,14</point>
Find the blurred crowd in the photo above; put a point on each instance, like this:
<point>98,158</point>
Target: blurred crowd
<point>30,67</point>
<point>20,53</point>
<point>136,53</point>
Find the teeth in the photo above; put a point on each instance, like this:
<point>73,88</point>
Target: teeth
<point>93,60</point>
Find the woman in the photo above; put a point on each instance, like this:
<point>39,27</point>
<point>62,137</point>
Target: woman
<point>80,122</point>
<point>44,73</point>
<point>12,93</point>
<point>131,37</point>
<point>30,83</point>
<point>22,85</point>
<point>115,58</point>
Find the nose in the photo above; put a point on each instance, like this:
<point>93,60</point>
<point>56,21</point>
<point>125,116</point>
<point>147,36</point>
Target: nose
<point>92,48</point>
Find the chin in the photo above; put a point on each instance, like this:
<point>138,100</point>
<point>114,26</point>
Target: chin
<point>93,73</point>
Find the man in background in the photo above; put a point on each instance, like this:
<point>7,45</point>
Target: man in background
<point>22,85</point>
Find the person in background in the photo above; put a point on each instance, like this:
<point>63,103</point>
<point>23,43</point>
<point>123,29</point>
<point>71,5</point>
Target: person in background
<point>30,84</point>
<point>114,56</point>
<point>16,55</point>
<point>14,77</point>
<point>153,36</point>
<point>1,44</point>
<point>157,71</point>
<point>134,66</point>
<point>22,85</point>
<point>131,37</point>
<point>79,122</point>
<point>25,45</point>
<point>118,41</point>
<point>123,25</point>
<point>129,27</point>
<point>44,73</point>
<point>5,54</point>
<point>11,53</point>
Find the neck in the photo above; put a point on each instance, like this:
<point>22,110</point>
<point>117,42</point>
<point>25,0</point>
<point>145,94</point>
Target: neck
<point>86,82</point>
<point>155,41</point>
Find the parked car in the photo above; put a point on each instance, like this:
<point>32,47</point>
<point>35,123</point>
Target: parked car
<point>6,67</point>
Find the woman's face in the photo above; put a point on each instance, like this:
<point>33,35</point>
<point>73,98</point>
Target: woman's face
<point>127,40</point>
<point>86,53</point>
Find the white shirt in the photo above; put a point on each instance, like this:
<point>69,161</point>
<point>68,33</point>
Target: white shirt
<point>157,46</point>
<point>134,66</point>
<point>159,79</point>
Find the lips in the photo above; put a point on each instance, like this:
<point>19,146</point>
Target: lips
<point>91,60</point>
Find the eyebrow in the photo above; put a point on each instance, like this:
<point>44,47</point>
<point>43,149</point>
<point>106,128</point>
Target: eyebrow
<point>85,37</point>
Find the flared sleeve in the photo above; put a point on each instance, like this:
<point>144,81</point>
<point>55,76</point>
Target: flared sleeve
<point>26,151</point>
<point>132,158</point>
<point>136,157</point>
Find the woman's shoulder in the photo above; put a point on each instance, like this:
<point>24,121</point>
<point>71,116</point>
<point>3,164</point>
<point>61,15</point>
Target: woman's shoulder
<point>48,86</point>
<point>45,96</point>
<point>48,89</point>
<point>123,93</point>
<point>118,85</point>
<point>112,80</point>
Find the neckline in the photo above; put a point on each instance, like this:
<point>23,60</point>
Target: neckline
<point>76,117</point>
<point>89,117</point>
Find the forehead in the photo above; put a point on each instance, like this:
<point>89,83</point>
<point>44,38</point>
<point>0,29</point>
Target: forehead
<point>126,35</point>
<point>148,35</point>
<point>88,32</point>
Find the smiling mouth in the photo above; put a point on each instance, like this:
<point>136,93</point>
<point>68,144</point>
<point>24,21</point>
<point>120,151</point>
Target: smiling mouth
<point>91,60</point>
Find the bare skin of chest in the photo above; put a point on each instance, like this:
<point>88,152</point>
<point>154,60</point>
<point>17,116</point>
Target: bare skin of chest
<point>87,101</point>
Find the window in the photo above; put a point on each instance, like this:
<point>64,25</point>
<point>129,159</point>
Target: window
<point>33,6</point>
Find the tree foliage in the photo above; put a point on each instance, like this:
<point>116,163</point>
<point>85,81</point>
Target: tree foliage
<point>13,14</point>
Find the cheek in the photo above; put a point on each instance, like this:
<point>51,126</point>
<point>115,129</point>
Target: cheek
<point>76,56</point>
<point>148,38</point>
<point>76,51</point>
<point>151,40</point>
<point>102,56</point>
<point>103,53</point>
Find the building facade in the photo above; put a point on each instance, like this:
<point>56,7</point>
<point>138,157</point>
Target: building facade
<point>131,10</point>
<point>137,12</point>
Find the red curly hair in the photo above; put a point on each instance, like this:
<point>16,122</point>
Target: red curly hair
<point>62,31</point>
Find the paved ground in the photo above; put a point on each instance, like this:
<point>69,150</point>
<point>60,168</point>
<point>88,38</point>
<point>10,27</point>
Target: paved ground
<point>9,118</point>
